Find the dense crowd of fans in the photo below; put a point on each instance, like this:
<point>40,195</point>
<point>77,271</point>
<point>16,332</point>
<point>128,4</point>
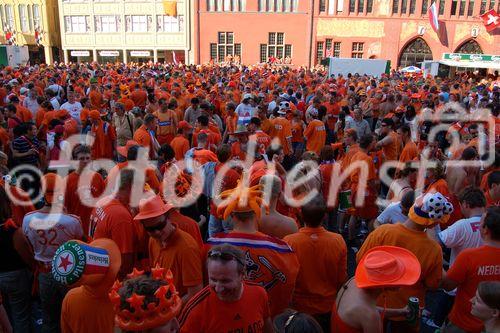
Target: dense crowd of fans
<point>162,198</point>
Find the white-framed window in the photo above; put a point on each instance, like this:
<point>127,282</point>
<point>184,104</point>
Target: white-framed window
<point>30,17</point>
<point>9,14</point>
<point>23,16</point>
<point>138,23</point>
<point>77,23</point>
<point>166,23</point>
<point>37,17</point>
<point>107,23</point>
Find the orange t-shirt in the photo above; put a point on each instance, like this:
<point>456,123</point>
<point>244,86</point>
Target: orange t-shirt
<point>409,152</point>
<point>392,150</point>
<point>362,158</point>
<point>104,135</point>
<point>114,221</point>
<point>297,132</point>
<point>72,201</point>
<point>142,137</point>
<point>315,134</point>
<point>262,140</point>
<point>139,97</point>
<point>270,263</point>
<point>83,311</point>
<point>186,224</point>
<point>323,268</point>
<point>469,268</point>
<point>23,113</point>
<point>205,312</point>
<point>427,251</point>
<point>180,145</point>
<point>282,129</point>
<point>182,256</point>
<point>212,141</point>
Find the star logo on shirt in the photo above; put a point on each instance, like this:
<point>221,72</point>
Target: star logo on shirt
<point>237,317</point>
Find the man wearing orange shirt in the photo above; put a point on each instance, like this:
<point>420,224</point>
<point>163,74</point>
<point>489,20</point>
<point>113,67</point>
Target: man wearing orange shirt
<point>96,99</point>
<point>282,129</point>
<point>410,150</point>
<point>170,247</point>
<point>493,193</point>
<point>104,137</point>
<point>323,263</point>
<point>180,144</point>
<point>228,303</point>
<point>22,113</point>
<point>144,135</point>
<point>80,185</point>
<point>471,267</point>
<point>139,96</point>
<point>390,143</point>
<point>214,138</point>
<point>315,134</point>
<point>112,219</point>
<point>424,214</point>
<point>167,123</point>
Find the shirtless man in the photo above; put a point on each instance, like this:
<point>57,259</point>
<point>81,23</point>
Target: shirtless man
<point>274,223</point>
<point>459,178</point>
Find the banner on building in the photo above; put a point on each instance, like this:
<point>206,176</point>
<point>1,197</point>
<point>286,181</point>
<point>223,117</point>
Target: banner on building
<point>491,20</point>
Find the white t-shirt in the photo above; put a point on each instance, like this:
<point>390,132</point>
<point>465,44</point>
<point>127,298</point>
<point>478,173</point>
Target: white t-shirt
<point>461,235</point>
<point>245,112</point>
<point>73,109</point>
<point>55,103</point>
<point>46,232</point>
<point>392,214</point>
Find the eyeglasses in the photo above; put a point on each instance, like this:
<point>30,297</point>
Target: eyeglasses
<point>157,227</point>
<point>224,256</point>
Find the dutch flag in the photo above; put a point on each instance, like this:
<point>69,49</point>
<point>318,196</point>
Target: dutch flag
<point>433,16</point>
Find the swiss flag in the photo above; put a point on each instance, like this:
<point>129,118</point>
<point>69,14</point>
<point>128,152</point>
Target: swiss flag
<point>329,52</point>
<point>491,20</point>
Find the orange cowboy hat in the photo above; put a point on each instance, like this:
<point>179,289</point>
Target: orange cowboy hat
<point>123,150</point>
<point>151,207</point>
<point>387,266</point>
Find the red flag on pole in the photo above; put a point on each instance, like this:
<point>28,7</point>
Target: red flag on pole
<point>433,16</point>
<point>491,20</point>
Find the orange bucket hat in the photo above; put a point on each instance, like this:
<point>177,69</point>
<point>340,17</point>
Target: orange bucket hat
<point>152,207</point>
<point>387,266</point>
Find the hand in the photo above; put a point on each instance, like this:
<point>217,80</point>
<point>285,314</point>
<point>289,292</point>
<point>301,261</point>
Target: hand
<point>406,311</point>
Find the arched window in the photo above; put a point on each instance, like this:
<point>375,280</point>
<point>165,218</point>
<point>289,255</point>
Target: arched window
<point>470,47</point>
<point>414,53</point>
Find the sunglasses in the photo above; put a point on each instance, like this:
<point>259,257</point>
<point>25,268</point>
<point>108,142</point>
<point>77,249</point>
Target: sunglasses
<point>157,227</point>
<point>224,256</point>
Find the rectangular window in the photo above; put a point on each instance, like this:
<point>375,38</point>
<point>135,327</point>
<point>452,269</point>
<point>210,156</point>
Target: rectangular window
<point>328,44</point>
<point>295,5</point>
<point>237,50</point>
<point>483,7</point>
<point>9,13</point>
<point>76,24</point>
<point>139,23</point>
<point>222,53</point>
<point>30,17</point>
<point>286,6</point>
<point>404,6</point>
<point>352,6</point>
<point>213,51</point>
<point>395,6</point>
<point>222,38</point>
<point>454,4</point>
<point>262,5</point>
<point>461,12</point>
<point>288,50</point>
<point>424,7</point>
<point>331,7</point>
<point>336,49</point>
<point>492,4</point>
<point>413,3</point>
<point>319,51</point>
<point>361,6</point>
<point>322,6</point>
<point>106,23</point>
<point>357,50</point>
<point>441,7</point>
<point>166,23</point>
<point>23,16</point>
<point>279,5</point>
<point>470,9</point>
<point>272,38</point>
<point>340,6</point>
<point>263,53</point>
<point>229,38</point>
<point>37,18</point>
<point>280,38</point>
<point>369,6</point>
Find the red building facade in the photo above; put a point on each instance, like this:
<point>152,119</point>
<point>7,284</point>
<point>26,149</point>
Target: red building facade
<point>304,31</point>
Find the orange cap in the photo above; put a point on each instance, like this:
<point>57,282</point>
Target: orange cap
<point>386,266</point>
<point>152,207</point>
<point>184,125</point>
<point>123,150</point>
<point>50,181</point>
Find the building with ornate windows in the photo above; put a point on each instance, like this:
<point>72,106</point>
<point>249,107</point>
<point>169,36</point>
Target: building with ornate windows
<point>33,23</point>
<point>126,30</point>
<point>253,31</point>
<point>399,30</point>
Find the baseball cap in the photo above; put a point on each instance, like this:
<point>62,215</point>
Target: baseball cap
<point>184,125</point>
<point>247,96</point>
